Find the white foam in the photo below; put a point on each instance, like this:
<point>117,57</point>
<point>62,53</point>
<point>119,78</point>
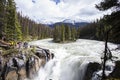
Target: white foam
<point>70,59</point>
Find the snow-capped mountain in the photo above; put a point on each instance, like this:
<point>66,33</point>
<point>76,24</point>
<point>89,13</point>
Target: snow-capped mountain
<point>73,21</point>
<point>70,22</point>
<point>50,21</point>
<point>59,21</point>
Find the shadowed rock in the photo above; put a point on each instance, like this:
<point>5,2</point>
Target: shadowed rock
<point>20,66</point>
<point>91,68</point>
<point>116,71</point>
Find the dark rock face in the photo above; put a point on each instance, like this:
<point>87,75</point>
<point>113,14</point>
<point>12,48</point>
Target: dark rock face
<point>21,66</point>
<point>1,66</point>
<point>32,66</point>
<point>116,71</point>
<point>91,68</point>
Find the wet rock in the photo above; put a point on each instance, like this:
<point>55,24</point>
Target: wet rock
<point>32,66</point>
<point>22,56</point>
<point>22,65</point>
<point>116,71</point>
<point>41,53</point>
<point>52,55</point>
<point>21,68</point>
<point>1,66</point>
<point>22,73</point>
<point>47,52</point>
<point>91,68</point>
<point>9,71</point>
<point>12,75</point>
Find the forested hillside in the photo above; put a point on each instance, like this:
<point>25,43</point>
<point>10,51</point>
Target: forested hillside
<point>109,24</point>
<point>14,27</point>
<point>10,28</point>
<point>31,29</point>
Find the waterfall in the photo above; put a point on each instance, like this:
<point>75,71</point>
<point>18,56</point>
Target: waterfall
<point>62,70</point>
<point>71,59</point>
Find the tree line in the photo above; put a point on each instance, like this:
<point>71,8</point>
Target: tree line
<point>9,25</point>
<point>63,33</point>
<point>15,27</point>
<point>31,29</point>
<point>97,30</point>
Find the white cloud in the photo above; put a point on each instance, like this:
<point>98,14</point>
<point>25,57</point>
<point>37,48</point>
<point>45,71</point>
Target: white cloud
<point>47,10</point>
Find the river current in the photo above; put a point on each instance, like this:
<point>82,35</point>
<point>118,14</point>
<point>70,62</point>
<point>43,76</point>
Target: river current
<point>71,59</point>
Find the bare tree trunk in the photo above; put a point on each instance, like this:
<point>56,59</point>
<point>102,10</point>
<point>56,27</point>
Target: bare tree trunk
<point>105,57</point>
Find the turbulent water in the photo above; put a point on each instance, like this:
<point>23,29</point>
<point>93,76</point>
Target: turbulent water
<point>71,59</point>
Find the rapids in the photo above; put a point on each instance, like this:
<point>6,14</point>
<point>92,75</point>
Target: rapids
<point>71,59</point>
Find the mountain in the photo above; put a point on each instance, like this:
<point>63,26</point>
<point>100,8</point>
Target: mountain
<point>70,22</point>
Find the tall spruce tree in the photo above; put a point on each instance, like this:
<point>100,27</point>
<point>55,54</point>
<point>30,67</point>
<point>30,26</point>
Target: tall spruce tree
<point>113,19</point>
<point>62,33</point>
<point>2,17</point>
<point>74,34</point>
<point>67,33</point>
<point>111,25</point>
<point>12,29</point>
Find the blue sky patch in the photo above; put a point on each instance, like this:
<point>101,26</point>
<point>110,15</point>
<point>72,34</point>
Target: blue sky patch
<point>33,1</point>
<point>56,1</point>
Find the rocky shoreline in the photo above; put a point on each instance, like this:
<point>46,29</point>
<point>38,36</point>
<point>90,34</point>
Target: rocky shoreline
<point>24,64</point>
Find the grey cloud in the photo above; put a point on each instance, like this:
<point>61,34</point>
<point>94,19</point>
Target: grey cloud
<point>48,10</point>
<point>88,11</point>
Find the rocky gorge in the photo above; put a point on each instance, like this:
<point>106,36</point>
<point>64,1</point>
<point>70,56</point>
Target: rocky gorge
<point>23,64</point>
<point>67,63</point>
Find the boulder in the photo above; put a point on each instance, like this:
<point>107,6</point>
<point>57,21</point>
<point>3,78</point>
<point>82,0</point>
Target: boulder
<point>10,71</point>
<point>32,66</point>
<point>41,53</point>
<point>91,68</point>
<point>12,75</point>
<point>116,72</point>
<point>21,68</point>
<point>1,67</point>
<point>22,65</point>
<point>22,74</point>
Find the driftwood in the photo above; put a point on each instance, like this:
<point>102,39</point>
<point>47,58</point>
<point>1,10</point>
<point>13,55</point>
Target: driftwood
<point>4,44</point>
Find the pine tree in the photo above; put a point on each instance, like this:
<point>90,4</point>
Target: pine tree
<point>62,33</point>
<point>67,33</point>
<point>57,33</point>
<point>112,24</point>
<point>2,17</point>
<point>112,19</point>
<point>78,33</point>
<point>12,29</point>
<point>74,34</point>
<point>18,29</point>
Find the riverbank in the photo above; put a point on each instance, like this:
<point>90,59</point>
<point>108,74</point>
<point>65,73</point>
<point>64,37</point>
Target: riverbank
<point>21,64</point>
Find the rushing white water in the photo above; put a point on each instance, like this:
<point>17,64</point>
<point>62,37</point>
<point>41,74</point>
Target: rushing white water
<point>71,59</point>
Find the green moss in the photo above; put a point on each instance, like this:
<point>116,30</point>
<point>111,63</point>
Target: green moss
<point>10,51</point>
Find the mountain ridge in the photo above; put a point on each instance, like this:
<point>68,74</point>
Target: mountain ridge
<point>69,22</point>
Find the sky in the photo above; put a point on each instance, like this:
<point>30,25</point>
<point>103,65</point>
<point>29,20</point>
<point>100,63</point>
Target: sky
<point>48,11</point>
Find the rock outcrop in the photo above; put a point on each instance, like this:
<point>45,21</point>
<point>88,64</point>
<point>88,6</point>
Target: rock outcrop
<point>116,71</point>
<point>22,65</point>
<point>91,68</point>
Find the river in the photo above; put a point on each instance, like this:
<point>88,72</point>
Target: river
<point>70,59</point>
